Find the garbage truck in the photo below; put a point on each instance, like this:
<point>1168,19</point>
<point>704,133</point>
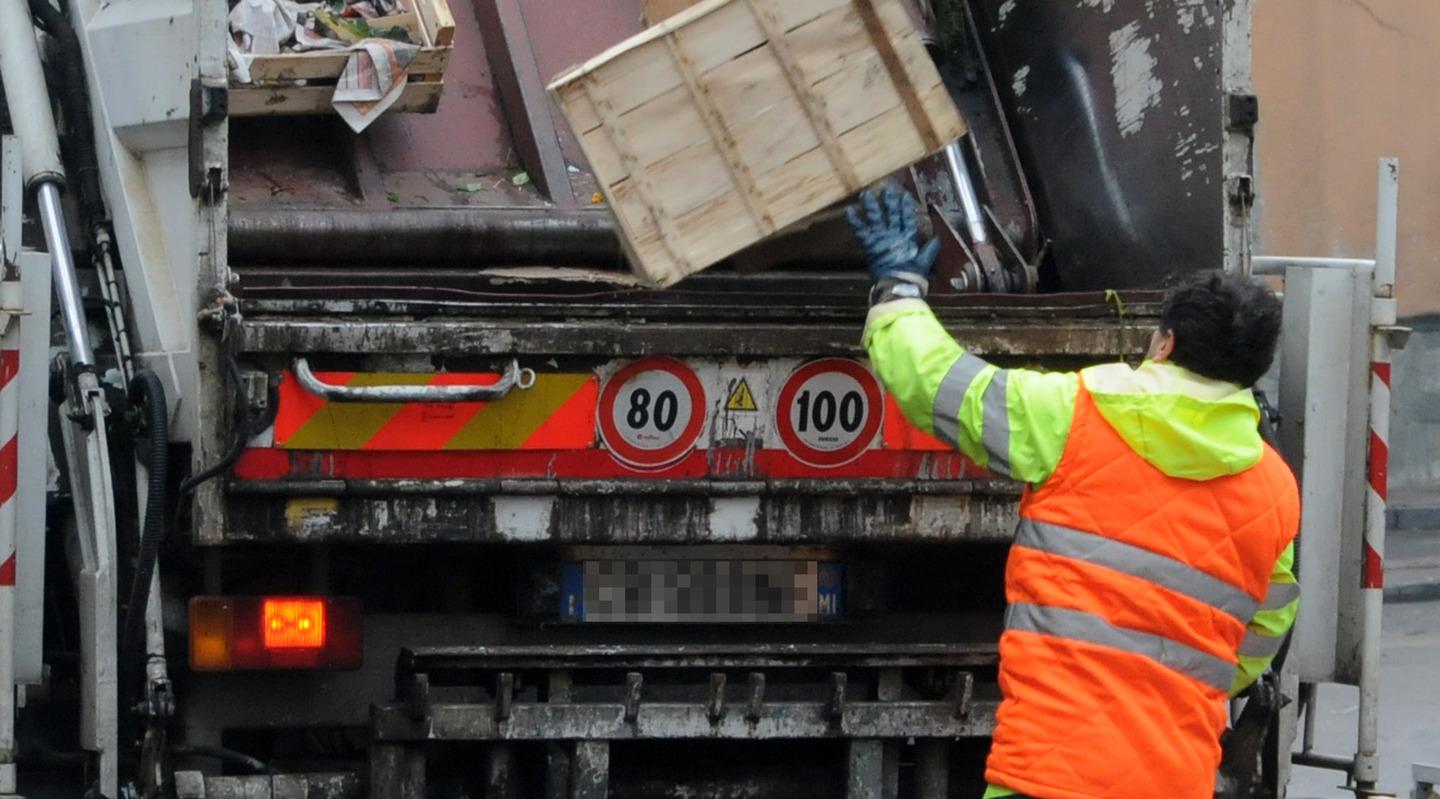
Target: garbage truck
<point>342,464</point>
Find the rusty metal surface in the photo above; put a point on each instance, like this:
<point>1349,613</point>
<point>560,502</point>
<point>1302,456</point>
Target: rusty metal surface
<point>782,518</point>
<point>508,235</point>
<point>433,660</point>
<point>1063,347</point>
<point>331,785</point>
<point>1117,112</point>
<point>529,721</point>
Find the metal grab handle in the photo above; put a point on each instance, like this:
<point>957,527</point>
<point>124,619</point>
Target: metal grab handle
<point>514,377</point>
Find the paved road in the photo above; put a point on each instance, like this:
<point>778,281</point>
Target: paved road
<point>1409,691</point>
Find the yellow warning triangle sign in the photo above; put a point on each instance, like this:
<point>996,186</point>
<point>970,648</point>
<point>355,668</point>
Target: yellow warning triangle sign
<point>740,398</point>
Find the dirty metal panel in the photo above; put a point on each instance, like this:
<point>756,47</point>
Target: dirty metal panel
<point>1074,342</point>
<point>528,721</point>
<point>657,418</point>
<point>786,517</point>
<point>1117,110</point>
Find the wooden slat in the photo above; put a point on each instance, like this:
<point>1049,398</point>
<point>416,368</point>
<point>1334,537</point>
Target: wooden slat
<point>829,43</point>
<point>813,104</point>
<point>638,179</point>
<point>666,125</point>
<point>720,135</point>
<point>420,97</point>
<point>319,65</point>
<point>439,24</point>
<point>880,40</point>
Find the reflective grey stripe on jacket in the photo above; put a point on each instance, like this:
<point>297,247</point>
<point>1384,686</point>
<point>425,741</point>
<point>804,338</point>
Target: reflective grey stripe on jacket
<point>995,420</point>
<point>1137,562</point>
<point>1076,625</point>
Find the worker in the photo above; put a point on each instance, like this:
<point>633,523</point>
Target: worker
<point>1151,575</point>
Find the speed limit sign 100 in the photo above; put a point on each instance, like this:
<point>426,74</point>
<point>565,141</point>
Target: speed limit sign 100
<point>828,412</point>
<point>651,412</point>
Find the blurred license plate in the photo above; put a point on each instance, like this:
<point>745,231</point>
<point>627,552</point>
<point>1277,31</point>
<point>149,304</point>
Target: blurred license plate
<point>706,591</point>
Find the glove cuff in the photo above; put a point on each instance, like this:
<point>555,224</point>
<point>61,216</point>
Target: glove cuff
<point>899,285</point>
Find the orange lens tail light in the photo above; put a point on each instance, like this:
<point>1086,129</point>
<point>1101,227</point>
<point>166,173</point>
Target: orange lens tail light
<point>244,633</point>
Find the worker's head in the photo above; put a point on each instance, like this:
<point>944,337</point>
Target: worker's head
<point>1219,326</point>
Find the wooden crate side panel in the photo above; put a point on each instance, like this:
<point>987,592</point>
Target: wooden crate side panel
<point>418,97</point>
<point>665,125</point>
<point>776,137</point>
<point>801,187</point>
<point>329,64</point>
<point>604,161</point>
<point>579,111</point>
<point>720,36</point>
<point>857,95</point>
<point>792,14</point>
<point>763,113</point>
<point>830,43</point>
<point>689,179</point>
<point>637,76</point>
<point>885,143</point>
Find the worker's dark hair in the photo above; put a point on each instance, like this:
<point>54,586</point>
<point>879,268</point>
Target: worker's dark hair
<point>1226,327</point>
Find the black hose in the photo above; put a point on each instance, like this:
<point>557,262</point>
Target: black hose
<point>253,765</point>
<point>83,163</point>
<point>242,433</point>
<point>148,392</point>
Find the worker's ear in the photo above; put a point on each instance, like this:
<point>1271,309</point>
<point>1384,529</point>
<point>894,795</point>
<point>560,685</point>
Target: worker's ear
<point>1162,344</point>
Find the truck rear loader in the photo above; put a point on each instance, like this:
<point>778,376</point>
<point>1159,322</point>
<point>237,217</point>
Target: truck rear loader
<point>341,465</point>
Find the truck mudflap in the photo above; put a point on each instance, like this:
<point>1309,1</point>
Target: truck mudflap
<point>579,703</point>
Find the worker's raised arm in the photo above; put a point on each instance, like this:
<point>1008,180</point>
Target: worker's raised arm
<point>1012,421</point>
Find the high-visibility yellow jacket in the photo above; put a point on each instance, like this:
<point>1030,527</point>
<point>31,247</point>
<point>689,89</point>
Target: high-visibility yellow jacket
<point>1018,422</point>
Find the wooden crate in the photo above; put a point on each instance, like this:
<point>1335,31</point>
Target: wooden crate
<point>735,118</point>
<point>276,89</point>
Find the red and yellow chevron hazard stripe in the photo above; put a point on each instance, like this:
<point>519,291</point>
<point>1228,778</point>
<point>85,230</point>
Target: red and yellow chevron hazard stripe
<point>558,412</point>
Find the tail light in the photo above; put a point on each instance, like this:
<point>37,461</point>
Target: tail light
<point>243,633</point>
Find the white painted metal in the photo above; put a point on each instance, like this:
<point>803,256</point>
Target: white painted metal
<point>93,565</point>
<point>35,466</point>
<point>12,198</point>
<point>1276,265</point>
<point>1367,755</point>
<point>26,95</point>
<point>1323,351</point>
<point>144,161</point>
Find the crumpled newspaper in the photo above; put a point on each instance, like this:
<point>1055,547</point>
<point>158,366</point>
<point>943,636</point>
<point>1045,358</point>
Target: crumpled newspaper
<point>374,78</point>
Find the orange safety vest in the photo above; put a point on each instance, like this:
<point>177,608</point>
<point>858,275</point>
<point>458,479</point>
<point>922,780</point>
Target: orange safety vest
<point>1129,595</point>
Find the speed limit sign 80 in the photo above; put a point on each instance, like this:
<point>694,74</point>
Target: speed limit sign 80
<point>651,412</point>
<point>829,412</point>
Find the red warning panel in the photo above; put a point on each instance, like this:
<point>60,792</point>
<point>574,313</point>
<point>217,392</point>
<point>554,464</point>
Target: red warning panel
<point>828,412</point>
<point>651,412</point>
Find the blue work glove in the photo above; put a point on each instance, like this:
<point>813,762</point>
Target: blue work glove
<point>887,233</point>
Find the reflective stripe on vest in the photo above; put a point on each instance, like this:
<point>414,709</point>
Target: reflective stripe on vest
<point>1256,645</point>
<point>995,414</point>
<point>1132,560</point>
<point>1077,625</point>
<point>995,429</point>
<point>1280,595</point>
<point>946,413</point>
